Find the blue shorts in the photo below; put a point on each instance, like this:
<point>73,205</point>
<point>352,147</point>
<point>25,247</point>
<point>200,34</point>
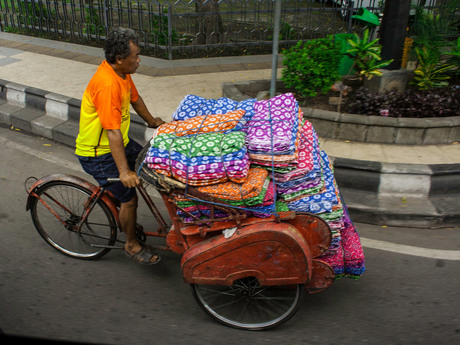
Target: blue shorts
<point>103,167</point>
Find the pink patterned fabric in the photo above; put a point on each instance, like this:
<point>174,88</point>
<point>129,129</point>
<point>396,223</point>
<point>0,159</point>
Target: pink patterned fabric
<point>347,257</point>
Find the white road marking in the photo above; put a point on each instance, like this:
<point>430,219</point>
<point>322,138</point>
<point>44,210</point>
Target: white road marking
<point>411,250</point>
<point>42,155</point>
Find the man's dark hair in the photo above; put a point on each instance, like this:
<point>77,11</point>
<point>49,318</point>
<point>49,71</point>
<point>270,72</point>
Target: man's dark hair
<point>117,43</point>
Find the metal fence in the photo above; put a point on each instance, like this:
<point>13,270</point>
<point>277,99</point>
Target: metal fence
<point>169,28</point>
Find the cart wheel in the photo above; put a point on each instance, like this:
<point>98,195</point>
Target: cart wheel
<point>247,305</point>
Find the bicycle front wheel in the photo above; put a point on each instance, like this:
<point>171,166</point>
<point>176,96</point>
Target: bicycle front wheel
<point>247,305</point>
<point>57,212</point>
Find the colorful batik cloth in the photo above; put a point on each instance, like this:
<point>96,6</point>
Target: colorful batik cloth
<point>308,187</point>
<point>265,197</point>
<point>192,106</point>
<point>311,176</point>
<point>308,156</point>
<point>347,257</point>
<point>200,160</point>
<point>202,124</point>
<point>203,211</point>
<point>279,145</point>
<point>250,193</point>
<point>274,126</point>
<point>323,201</point>
<point>210,144</point>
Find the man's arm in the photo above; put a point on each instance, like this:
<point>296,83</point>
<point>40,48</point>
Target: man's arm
<point>141,109</point>
<point>127,176</point>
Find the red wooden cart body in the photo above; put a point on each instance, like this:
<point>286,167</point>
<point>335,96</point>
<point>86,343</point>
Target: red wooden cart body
<point>274,253</point>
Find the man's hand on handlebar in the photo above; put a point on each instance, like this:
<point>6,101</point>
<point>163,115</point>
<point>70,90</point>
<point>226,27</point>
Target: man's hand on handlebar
<point>129,179</point>
<point>157,122</point>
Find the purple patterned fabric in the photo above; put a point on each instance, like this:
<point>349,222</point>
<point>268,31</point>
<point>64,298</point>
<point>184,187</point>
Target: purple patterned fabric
<point>274,124</point>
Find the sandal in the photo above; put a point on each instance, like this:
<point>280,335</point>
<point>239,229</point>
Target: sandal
<point>146,256</point>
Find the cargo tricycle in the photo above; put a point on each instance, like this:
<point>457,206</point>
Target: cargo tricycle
<point>245,272</point>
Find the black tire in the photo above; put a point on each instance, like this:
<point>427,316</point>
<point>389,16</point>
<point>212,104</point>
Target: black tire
<point>247,305</point>
<point>67,200</point>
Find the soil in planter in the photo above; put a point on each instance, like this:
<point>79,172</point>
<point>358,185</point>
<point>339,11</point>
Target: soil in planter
<point>328,101</point>
<point>413,104</point>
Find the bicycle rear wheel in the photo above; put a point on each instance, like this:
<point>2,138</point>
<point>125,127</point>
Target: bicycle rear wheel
<point>247,305</point>
<point>57,222</point>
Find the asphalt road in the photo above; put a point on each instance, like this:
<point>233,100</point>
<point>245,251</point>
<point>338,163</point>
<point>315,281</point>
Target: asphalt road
<point>409,294</point>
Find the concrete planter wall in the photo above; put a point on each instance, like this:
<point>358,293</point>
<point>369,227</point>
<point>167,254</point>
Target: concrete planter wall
<point>362,128</point>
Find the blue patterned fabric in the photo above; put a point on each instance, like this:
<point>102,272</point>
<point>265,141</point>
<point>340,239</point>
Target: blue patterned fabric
<point>192,106</point>
<point>321,202</point>
<point>188,107</point>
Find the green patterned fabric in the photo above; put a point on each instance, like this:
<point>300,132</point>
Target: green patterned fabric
<point>209,144</point>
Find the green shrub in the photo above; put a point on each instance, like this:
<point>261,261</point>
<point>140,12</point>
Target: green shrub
<point>93,22</point>
<point>312,67</point>
<point>159,29</point>
<point>30,12</point>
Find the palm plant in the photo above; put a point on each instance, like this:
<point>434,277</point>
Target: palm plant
<point>430,71</point>
<point>366,55</point>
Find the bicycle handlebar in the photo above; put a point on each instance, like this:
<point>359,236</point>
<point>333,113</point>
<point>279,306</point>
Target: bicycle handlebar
<point>113,179</point>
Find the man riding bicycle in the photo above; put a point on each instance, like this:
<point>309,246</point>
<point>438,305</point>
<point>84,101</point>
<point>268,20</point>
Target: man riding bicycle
<point>103,146</point>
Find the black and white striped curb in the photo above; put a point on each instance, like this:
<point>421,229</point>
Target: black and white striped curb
<point>375,192</point>
<point>400,194</point>
<point>48,114</point>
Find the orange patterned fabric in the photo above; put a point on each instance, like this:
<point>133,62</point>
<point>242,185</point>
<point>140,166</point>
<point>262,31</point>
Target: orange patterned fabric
<point>202,124</point>
<point>251,188</point>
<point>203,182</point>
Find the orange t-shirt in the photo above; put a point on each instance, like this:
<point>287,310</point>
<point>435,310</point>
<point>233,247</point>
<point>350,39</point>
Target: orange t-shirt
<point>105,105</point>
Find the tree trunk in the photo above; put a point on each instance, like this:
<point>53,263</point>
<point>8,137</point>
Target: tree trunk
<point>209,25</point>
<point>393,31</point>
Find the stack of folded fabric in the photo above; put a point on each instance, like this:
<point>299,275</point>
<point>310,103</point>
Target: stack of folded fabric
<point>255,196</point>
<point>322,199</point>
<point>307,165</point>
<point>192,106</point>
<point>223,123</point>
<point>307,177</point>
<point>261,157</point>
<point>345,254</point>
<point>272,132</point>
<point>201,159</point>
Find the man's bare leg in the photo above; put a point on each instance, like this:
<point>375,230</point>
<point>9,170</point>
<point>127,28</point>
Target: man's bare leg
<point>128,218</point>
